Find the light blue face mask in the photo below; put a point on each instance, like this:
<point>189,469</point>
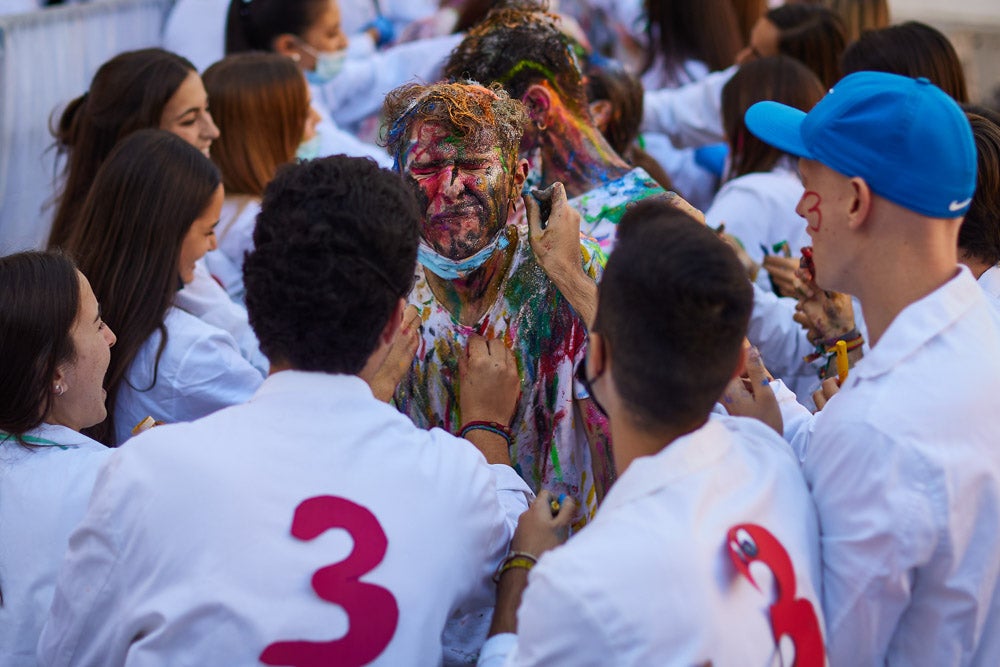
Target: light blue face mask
<point>454,269</point>
<point>328,64</point>
<point>309,150</point>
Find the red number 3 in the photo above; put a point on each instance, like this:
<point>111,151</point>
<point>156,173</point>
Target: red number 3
<point>372,611</point>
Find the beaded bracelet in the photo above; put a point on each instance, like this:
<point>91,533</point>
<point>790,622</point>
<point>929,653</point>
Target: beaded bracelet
<point>493,427</point>
<point>515,559</point>
<point>827,347</point>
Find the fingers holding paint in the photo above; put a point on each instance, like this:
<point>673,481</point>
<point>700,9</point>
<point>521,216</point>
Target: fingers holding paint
<point>539,529</point>
<point>827,390</point>
<point>489,383</point>
<point>784,274</point>
<point>555,231</point>
<point>750,395</point>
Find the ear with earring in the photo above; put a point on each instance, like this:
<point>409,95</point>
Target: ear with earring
<point>59,390</point>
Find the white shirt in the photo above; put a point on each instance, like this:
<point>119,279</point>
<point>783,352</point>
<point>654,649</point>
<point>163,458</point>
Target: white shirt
<point>234,233</point>
<point>990,284</point>
<point>333,140</point>
<point>189,534</point>
<point>759,210</point>
<point>904,469</point>
<point>43,495</point>
<point>650,581</point>
<point>196,29</point>
<point>691,115</point>
<point>199,371</point>
<point>359,90</point>
<point>207,300</point>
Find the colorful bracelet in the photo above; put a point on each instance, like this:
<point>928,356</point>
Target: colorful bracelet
<point>827,347</point>
<point>493,427</point>
<point>515,559</point>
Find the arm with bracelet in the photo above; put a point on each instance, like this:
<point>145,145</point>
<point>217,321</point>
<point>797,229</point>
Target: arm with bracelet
<point>489,386</point>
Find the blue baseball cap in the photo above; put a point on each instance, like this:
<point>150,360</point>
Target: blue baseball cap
<point>905,137</point>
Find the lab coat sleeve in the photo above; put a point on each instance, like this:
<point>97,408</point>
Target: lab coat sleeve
<point>83,627</point>
<point>690,115</point>
<point>361,86</point>
<point>782,342</point>
<point>873,536</point>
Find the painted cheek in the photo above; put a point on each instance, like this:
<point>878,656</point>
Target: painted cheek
<point>809,209</point>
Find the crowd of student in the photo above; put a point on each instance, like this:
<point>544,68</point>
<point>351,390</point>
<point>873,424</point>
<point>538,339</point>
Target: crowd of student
<point>401,347</point>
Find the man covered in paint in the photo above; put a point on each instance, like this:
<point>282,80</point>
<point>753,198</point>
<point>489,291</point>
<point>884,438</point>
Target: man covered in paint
<point>478,273</point>
<point>523,49</point>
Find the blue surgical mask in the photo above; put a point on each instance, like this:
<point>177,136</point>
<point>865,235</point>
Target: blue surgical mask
<point>328,64</point>
<point>453,269</point>
<point>309,150</point>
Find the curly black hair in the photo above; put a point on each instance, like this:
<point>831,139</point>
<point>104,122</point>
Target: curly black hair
<point>335,249</point>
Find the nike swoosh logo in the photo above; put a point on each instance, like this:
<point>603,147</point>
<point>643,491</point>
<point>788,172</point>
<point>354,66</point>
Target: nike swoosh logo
<point>959,205</point>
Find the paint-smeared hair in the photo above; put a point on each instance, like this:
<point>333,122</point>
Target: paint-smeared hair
<point>519,45</point>
<point>480,116</point>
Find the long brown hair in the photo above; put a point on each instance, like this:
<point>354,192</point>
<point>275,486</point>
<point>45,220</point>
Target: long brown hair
<point>128,93</point>
<point>260,103</point>
<point>813,35</point>
<point>145,197</point>
<point>679,30</point>
<point>781,79</point>
<point>38,306</point>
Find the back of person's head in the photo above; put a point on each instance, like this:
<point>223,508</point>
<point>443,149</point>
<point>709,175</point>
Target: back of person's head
<point>911,49</point>
<point>260,102</point>
<point>813,35</point>
<point>682,30</point>
<point>607,81</point>
<point>519,45</point>
<point>979,235</point>
<point>781,79</point>
<point>38,306</point>
<point>673,307</point>
<point>477,115</point>
<point>128,93</point>
<point>145,197</point>
<point>253,26</point>
<point>335,248</point>
<point>861,15</point>
<point>748,12</point>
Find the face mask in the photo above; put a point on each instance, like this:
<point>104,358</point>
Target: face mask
<point>328,64</point>
<point>309,150</point>
<point>453,269</point>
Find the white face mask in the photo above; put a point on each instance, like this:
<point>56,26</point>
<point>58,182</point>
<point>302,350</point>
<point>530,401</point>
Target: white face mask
<point>328,64</point>
<point>453,269</point>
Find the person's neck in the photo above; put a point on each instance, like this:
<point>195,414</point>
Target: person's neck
<point>469,298</point>
<point>631,440</point>
<point>887,287</point>
<point>976,265</point>
<point>575,153</point>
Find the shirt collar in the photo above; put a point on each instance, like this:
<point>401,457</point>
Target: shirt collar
<point>53,435</point>
<point>990,281</point>
<point>919,322</point>
<point>325,387</point>
<point>685,455</point>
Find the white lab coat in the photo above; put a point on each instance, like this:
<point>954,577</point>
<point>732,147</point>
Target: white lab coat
<point>207,300</point>
<point>650,582</point>
<point>904,469</point>
<point>199,372</point>
<point>691,115</point>
<point>196,29</point>
<point>189,533</point>
<point>235,238</point>
<point>334,140</point>
<point>43,495</point>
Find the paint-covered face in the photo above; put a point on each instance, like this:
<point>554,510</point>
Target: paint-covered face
<point>823,204</point>
<point>464,189</point>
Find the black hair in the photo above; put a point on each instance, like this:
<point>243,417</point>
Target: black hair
<point>519,45</point>
<point>252,26</point>
<point>813,35</point>
<point>979,235</point>
<point>674,304</point>
<point>335,249</point>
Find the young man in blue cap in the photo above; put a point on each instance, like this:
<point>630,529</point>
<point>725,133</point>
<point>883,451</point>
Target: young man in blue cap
<point>903,462</point>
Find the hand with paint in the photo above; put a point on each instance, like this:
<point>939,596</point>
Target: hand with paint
<point>824,315</point>
<point>784,274</point>
<point>539,529</point>
<point>750,395</point>
<point>400,357</point>
<point>677,201</point>
<point>555,240</point>
<point>488,389</point>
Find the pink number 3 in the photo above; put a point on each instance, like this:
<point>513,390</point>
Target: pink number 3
<point>372,611</point>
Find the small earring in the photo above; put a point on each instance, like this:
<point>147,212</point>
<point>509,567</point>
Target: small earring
<point>295,57</point>
<point>59,390</point>
<point>541,126</point>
